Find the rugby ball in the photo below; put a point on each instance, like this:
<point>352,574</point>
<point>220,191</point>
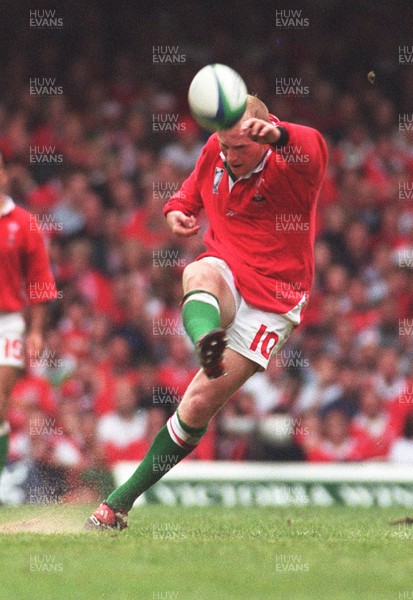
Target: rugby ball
<point>217,97</point>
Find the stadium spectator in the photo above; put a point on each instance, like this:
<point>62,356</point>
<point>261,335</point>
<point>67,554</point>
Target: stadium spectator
<point>308,433</point>
<point>122,432</point>
<point>324,389</point>
<point>266,388</point>
<point>389,379</point>
<point>184,153</point>
<point>376,424</point>
<point>237,424</point>
<point>337,443</point>
<point>401,450</point>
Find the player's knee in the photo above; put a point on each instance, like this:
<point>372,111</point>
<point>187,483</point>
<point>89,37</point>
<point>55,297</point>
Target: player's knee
<point>199,276</point>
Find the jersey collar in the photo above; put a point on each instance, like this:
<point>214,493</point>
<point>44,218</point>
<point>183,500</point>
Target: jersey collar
<point>257,169</point>
<point>7,207</point>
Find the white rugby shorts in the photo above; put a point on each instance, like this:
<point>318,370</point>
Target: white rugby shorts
<point>12,330</point>
<point>256,334</point>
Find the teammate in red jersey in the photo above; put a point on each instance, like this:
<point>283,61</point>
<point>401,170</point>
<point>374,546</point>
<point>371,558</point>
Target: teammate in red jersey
<point>258,183</point>
<point>25,280</point>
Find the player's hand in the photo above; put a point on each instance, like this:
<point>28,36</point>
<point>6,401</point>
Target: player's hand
<point>260,131</point>
<point>181,224</point>
<point>34,344</point>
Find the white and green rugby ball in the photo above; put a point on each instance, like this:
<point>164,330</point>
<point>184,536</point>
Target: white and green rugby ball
<point>217,97</point>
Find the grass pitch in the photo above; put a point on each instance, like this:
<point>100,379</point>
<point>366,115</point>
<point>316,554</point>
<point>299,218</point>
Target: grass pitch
<point>207,554</point>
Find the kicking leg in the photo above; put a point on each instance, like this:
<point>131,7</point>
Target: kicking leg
<point>176,439</point>
<point>208,306</point>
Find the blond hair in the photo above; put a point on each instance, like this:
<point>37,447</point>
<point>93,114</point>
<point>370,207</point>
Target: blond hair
<point>256,109</point>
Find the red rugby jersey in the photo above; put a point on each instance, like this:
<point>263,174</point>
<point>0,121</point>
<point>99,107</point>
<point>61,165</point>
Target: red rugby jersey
<point>25,274</point>
<point>264,226</point>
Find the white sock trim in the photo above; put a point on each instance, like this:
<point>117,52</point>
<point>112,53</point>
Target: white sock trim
<point>203,297</point>
<point>179,435</point>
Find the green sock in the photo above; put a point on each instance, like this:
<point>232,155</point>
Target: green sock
<point>200,313</point>
<point>174,441</point>
<point>4,443</point>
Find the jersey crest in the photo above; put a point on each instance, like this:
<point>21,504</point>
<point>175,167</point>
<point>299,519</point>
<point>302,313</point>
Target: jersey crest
<point>217,179</point>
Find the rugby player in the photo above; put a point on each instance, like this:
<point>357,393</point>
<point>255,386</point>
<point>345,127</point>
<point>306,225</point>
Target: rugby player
<point>243,297</point>
<point>26,281</point>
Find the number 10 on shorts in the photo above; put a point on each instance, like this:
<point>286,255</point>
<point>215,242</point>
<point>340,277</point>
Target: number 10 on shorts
<point>269,341</point>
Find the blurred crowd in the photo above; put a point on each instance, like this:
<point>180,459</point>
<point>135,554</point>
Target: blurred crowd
<point>96,163</point>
